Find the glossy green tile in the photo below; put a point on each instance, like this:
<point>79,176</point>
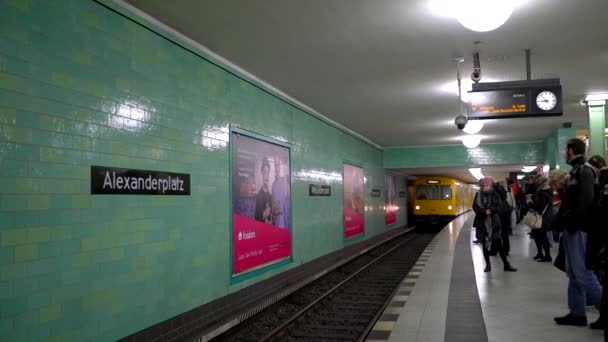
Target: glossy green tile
<point>160,108</point>
<point>14,306</point>
<point>26,252</point>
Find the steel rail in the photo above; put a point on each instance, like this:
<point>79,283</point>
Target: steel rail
<point>282,328</point>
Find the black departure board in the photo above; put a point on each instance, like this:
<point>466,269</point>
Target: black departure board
<point>498,102</point>
<point>515,102</point>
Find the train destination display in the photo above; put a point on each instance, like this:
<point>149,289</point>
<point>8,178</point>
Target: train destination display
<point>513,103</point>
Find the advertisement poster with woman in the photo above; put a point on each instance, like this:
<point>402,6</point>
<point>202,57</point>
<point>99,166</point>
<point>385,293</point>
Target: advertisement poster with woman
<point>354,201</point>
<point>261,203</point>
<point>390,203</point>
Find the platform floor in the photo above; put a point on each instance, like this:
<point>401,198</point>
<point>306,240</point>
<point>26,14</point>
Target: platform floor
<point>448,297</point>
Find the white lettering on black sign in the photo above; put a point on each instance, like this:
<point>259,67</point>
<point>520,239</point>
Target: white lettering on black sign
<point>110,180</point>
<point>375,193</point>
<point>319,190</point>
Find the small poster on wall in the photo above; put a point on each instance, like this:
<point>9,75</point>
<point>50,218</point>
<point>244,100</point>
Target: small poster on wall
<point>390,203</point>
<point>261,207</point>
<point>354,201</point>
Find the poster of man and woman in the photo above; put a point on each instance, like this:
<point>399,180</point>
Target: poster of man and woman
<point>261,203</point>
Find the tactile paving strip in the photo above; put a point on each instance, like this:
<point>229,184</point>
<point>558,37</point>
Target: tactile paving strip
<point>383,328</point>
<point>464,321</point>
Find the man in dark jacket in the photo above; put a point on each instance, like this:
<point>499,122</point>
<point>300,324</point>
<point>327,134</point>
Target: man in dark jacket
<point>574,219</point>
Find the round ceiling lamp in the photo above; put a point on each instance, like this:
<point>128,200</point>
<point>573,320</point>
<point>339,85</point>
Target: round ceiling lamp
<point>473,127</point>
<point>471,141</point>
<point>484,15</point>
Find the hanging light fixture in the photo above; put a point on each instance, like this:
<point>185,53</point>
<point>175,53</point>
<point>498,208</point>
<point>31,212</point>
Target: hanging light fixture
<point>471,141</point>
<point>476,15</point>
<point>473,127</point>
<point>484,15</point>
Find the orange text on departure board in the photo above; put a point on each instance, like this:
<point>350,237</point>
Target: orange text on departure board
<point>518,108</point>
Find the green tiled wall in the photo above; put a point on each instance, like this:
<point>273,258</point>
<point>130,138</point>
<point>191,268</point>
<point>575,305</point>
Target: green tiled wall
<point>458,155</point>
<point>551,150</point>
<point>81,85</point>
<point>563,135</point>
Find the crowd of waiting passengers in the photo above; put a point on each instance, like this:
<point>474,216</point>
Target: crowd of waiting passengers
<point>568,209</point>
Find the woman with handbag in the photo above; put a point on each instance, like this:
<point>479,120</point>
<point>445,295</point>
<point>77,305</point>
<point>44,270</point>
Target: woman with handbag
<point>487,223</point>
<point>540,209</point>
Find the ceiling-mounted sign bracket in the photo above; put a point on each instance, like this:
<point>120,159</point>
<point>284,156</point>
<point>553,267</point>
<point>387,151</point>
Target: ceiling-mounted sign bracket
<point>515,99</point>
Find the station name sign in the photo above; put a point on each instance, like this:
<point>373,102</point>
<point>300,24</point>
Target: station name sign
<point>375,192</point>
<point>501,100</point>
<point>118,181</point>
<point>319,190</point>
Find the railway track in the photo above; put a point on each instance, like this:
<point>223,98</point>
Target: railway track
<point>341,306</point>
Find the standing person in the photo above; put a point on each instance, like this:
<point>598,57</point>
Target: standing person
<point>516,188</point>
<point>598,238</point>
<point>527,195</point>
<point>557,182</point>
<point>574,219</point>
<point>504,212</point>
<point>511,196</point>
<point>488,224</point>
<point>542,204</point>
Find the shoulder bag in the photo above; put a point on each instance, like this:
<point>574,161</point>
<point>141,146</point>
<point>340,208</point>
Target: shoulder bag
<point>534,220</point>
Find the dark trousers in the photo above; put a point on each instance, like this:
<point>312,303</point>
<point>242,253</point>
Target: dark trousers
<point>604,304</point>
<point>506,244</point>
<point>496,245</point>
<point>542,242</point>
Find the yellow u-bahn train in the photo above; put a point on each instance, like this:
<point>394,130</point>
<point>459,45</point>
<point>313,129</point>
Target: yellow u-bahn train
<point>441,199</point>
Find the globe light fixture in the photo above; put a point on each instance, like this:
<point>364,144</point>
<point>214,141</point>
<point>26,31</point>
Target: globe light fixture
<point>473,127</point>
<point>477,15</point>
<point>484,15</point>
<point>471,141</point>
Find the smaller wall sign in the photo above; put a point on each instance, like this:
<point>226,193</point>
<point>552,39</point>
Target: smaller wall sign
<point>375,193</point>
<point>402,194</point>
<point>319,190</point>
<point>117,181</point>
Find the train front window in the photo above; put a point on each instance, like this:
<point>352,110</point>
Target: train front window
<point>446,192</point>
<point>421,192</point>
<point>433,192</point>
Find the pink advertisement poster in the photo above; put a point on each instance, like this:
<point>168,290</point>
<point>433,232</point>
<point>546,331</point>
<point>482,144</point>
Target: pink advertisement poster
<point>261,204</point>
<point>390,204</point>
<point>354,201</point>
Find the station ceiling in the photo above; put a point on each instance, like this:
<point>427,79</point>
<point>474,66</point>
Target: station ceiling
<point>384,68</point>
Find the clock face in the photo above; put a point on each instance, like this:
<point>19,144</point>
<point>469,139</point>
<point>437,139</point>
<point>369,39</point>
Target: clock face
<point>546,100</point>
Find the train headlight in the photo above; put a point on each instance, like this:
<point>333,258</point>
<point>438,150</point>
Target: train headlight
<point>449,207</point>
<point>417,207</point>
